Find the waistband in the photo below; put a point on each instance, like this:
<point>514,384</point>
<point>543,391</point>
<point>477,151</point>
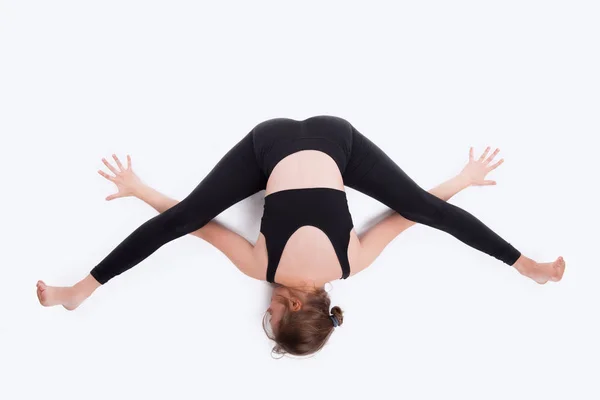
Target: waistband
<point>277,138</point>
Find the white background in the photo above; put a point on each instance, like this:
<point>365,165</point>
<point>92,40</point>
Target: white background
<point>177,83</point>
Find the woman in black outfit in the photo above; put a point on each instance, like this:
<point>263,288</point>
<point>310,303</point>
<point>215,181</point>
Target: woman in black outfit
<point>307,236</point>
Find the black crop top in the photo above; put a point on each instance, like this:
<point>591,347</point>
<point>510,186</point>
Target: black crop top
<point>288,210</point>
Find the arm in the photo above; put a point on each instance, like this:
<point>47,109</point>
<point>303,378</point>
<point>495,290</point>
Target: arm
<point>374,240</point>
<point>239,250</point>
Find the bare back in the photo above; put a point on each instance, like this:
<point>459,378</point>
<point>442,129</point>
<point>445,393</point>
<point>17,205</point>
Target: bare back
<point>308,254</point>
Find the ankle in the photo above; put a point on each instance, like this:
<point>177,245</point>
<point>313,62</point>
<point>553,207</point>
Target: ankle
<point>84,288</point>
<point>75,293</point>
<point>522,262</point>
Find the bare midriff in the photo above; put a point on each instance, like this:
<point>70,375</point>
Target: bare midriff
<point>309,256</point>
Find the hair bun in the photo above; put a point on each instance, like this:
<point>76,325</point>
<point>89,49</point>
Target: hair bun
<point>338,314</point>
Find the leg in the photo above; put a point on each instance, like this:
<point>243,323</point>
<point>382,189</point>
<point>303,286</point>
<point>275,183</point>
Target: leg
<point>70,296</point>
<point>235,177</point>
<point>373,173</point>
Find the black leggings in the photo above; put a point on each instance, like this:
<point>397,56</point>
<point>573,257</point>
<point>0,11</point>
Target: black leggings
<point>244,171</point>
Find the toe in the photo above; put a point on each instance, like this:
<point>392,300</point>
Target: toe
<point>559,269</point>
<point>41,297</point>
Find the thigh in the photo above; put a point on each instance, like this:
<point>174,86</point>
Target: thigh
<point>235,177</point>
<point>372,172</point>
<point>376,175</point>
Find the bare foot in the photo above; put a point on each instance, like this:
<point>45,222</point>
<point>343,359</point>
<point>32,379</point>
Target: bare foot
<point>541,272</point>
<point>68,297</point>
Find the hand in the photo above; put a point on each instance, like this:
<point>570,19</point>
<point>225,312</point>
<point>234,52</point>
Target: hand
<point>476,170</point>
<point>126,180</point>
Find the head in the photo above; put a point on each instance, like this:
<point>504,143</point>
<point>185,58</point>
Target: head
<point>301,320</point>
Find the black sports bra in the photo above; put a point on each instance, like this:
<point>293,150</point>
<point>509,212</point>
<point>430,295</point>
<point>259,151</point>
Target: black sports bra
<point>288,210</point>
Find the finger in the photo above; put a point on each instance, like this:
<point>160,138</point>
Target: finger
<point>491,157</point>
<point>484,154</point>
<point>471,153</point>
<point>113,170</point>
<point>113,196</point>
<point>118,162</point>
<point>497,164</point>
<point>107,176</point>
<point>489,182</point>
<point>128,162</point>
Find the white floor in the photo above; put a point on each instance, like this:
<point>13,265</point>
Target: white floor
<point>176,84</point>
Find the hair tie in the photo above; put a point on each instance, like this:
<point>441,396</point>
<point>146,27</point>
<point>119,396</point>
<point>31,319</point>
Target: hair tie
<point>334,320</point>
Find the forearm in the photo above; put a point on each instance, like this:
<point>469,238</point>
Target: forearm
<point>154,198</point>
<point>449,188</point>
<point>162,203</point>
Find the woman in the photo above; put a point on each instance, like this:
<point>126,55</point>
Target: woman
<point>306,237</point>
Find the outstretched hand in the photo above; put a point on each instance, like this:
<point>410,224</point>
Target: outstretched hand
<point>125,179</point>
<point>476,170</point>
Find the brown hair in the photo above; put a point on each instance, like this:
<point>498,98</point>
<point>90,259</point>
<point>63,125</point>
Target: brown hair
<point>305,331</point>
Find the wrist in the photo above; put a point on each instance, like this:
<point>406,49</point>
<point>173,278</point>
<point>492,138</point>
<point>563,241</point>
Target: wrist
<point>463,181</point>
<point>140,191</point>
